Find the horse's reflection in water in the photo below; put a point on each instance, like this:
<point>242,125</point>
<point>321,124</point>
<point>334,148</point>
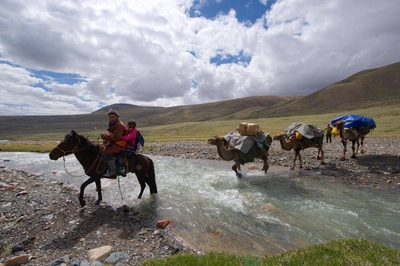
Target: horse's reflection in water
<point>90,157</point>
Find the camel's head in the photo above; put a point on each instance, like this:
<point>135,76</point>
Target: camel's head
<point>279,136</point>
<point>215,140</point>
<point>339,124</point>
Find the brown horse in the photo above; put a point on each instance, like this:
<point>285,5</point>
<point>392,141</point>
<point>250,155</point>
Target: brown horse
<point>90,157</point>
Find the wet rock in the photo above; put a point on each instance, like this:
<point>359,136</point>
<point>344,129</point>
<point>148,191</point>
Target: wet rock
<point>17,260</point>
<point>162,224</point>
<point>98,254</point>
<point>115,257</point>
<point>23,244</point>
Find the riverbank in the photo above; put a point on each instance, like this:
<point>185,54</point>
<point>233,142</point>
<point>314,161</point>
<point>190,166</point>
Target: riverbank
<point>378,167</point>
<point>42,219</point>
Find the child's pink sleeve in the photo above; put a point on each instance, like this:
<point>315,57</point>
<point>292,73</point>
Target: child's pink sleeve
<point>130,136</point>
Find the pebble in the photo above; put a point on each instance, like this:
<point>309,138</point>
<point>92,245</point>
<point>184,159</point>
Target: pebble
<point>62,233</point>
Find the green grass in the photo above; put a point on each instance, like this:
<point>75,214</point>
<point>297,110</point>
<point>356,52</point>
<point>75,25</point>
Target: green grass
<point>386,118</point>
<point>336,253</point>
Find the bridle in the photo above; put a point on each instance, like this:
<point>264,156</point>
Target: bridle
<point>74,151</point>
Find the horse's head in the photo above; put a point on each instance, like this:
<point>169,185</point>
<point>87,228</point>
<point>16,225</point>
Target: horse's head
<point>66,146</point>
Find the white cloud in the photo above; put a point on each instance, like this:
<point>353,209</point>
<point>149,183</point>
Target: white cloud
<point>150,52</point>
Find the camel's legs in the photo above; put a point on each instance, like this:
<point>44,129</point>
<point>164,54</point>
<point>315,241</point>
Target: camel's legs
<point>353,144</point>
<point>297,153</point>
<point>344,142</point>
<point>266,166</point>
<point>301,162</point>
<point>321,151</point>
<point>235,168</point>
<point>362,145</point>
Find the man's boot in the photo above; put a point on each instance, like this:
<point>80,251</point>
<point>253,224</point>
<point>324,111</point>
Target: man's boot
<point>121,170</point>
<point>112,169</point>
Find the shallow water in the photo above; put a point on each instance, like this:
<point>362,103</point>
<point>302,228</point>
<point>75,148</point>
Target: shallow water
<point>257,214</point>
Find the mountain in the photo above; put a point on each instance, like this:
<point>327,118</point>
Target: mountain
<point>368,88</point>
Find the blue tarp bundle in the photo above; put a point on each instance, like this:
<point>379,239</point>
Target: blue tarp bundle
<point>355,121</point>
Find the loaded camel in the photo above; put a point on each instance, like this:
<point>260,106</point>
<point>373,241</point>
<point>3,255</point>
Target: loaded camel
<point>346,135</point>
<point>297,146</point>
<point>228,153</point>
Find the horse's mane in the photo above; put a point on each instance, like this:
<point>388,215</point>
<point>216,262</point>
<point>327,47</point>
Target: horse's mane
<point>85,141</point>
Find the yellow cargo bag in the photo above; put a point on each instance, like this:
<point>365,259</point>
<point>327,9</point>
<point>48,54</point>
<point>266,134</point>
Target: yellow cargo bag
<point>335,131</point>
<point>298,135</point>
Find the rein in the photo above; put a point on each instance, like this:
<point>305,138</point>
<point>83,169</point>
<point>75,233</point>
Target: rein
<point>75,150</point>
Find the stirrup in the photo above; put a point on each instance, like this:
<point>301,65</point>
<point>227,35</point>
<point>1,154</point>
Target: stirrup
<point>110,175</point>
<point>122,171</point>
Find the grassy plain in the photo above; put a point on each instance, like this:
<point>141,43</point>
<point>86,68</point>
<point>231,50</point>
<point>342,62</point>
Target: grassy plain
<point>386,118</point>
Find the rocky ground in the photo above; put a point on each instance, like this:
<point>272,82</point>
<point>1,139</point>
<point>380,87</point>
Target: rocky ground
<point>40,223</point>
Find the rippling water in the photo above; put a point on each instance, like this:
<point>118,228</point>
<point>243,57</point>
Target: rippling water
<point>258,214</point>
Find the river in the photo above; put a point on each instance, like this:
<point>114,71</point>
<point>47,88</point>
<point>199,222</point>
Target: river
<point>259,214</point>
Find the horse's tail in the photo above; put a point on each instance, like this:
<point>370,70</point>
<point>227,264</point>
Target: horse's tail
<point>151,178</point>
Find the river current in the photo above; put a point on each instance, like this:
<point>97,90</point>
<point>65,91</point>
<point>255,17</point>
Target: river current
<point>259,214</point>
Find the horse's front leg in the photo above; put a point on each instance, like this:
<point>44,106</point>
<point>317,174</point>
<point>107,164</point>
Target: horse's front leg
<point>98,188</point>
<point>83,186</point>
<point>141,179</point>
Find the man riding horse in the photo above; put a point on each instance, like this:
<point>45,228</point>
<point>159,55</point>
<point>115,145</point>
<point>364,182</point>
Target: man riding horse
<point>115,130</point>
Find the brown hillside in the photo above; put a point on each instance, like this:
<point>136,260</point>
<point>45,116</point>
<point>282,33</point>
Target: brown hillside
<point>368,88</point>
<point>374,87</point>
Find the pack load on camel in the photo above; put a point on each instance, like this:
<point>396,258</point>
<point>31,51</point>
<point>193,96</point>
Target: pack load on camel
<point>243,148</point>
<point>299,136</point>
<point>304,132</point>
<point>361,124</point>
<point>353,128</point>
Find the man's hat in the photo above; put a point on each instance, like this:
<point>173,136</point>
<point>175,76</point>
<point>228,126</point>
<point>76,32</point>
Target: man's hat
<point>112,111</point>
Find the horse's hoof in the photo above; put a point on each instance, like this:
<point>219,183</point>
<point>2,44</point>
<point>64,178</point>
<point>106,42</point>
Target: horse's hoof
<point>98,202</point>
<point>362,152</point>
<point>239,175</point>
<point>343,159</point>
<point>323,163</point>
<point>291,168</point>
<point>83,203</point>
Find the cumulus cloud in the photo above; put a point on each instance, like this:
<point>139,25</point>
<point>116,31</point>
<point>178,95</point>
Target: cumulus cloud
<point>156,53</point>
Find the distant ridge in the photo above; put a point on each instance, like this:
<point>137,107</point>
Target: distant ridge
<point>368,88</point>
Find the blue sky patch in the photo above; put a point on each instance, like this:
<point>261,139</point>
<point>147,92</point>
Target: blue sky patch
<point>247,11</point>
<point>241,58</point>
<point>61,78</point>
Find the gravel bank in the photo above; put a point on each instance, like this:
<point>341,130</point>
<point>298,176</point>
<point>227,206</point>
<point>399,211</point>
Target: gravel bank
<point>378,167</point>
<point>42,218</point>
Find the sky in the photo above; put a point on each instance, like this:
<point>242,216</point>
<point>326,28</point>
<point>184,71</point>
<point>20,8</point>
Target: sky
<point>75,57</point>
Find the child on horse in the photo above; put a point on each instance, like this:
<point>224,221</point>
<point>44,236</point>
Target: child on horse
<point>130,147</point>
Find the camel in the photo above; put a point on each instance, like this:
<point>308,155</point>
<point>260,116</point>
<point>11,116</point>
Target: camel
<point>351,136</point>
<point>228,153</point>
<point>297,146</point>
